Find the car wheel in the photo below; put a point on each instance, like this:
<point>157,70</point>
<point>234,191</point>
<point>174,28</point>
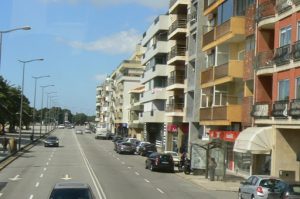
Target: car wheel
<point>240,195</point>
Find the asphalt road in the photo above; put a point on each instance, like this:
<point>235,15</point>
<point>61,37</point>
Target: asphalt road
<point>82,158</point>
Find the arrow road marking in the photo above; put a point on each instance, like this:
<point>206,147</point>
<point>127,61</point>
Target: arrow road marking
<point>66,177</point>
<point>15,178</point>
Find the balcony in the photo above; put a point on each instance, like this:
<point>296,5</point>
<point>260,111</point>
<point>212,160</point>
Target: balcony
<point>222,74</point>
<point>296,51</point>
<point>154,94</point>
<point>282,55</point>
<point>177,55</point>
<point>175,82</point>
<point>261,110</point>
<point>178,28</point>
<point>283,6</point>
<point>154,116</point>
<point>178,6</point>
<point>221,115</point>
<point>175,110</point>
<point>231,31</point>
<point>280,109</point>
<point>265,14</point>
<point>211,5</point>
<point>294,111</point>
<point>264,59</point>
<point>137,108</point>
<point>158,70</point>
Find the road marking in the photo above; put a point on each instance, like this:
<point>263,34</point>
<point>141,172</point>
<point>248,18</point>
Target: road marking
<point>66,177</point>
<point>158,189</point>
<point>123,162</point>
<point>95,180</point>
<point>136,173</point>
<point>15,178</point>
<point>31,196</point>
<point>49,159</point>
<point>147,180</point>
<point>42,175</point>
<point>129,167</point>
<point>118,158</point>
<point>45,169</point>
<point>37,184</point>
<point>47,163</point>
<point>1,194</point>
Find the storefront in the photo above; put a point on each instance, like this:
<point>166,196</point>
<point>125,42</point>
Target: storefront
<point>177,137</point>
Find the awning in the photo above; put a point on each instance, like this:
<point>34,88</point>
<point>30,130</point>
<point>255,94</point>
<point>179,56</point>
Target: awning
<point>256,140</point>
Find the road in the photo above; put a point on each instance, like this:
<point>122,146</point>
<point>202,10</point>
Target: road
<point>82,158</point>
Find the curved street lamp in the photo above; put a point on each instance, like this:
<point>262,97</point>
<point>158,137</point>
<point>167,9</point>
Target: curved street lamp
<point>7,31</point>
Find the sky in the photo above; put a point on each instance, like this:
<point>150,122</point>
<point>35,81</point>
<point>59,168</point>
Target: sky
<point>81,42</point>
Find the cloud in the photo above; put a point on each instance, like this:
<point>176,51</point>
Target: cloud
<point>157,4</point>
<point>101,77</point>
<point>118,43</point>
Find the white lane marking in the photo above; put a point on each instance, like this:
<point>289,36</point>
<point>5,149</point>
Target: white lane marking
<point>123,162</point>
<point>1,194</point>
<point>15,178</point>
<point>129,167</point>
<point>118,158</point>
<point>136,173</point>
<point>47,163</point>
<point>45,169</point>
<point>42,175</point>
<point>95,180</point>
<point>37,184</point>
<point>49,159</point>
<point>31,196</point>
<point>147,180</point>
<point>66,177</point>
<point>158,189</point>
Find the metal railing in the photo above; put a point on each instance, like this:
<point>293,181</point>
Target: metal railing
<point>177,50</point>
<point>175,107</point>
<point>282,55</point>
<point>175,80</point>
<point>181,22</point>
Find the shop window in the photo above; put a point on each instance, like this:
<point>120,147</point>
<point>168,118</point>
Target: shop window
<point>283,89</point>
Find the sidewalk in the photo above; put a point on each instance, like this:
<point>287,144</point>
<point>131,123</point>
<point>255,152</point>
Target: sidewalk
<point>231,182</point>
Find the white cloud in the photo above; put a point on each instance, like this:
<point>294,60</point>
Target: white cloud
<point>119,43</point>
<point>100,77</point>
<point>158,4</point>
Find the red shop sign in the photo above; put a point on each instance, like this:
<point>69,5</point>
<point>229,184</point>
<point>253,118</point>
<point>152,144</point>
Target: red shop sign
<point>229,136</point>
<point>172,128</point>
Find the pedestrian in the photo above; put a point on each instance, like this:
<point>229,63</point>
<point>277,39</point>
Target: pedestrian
<point>212,165</point>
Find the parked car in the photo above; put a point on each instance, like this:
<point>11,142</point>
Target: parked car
<point>175,156</point>
<point>51,141</point>
<point>288,190</point>
<point>102,134</point>
<point>74,190</point>
<point>61,126</point>
<point>259,187</point>
<point>78,131</point>
<point>126,147</point>
<point>116,143</point>
<point>87,131</point>
<point>160,162</point>
<point>116,137</point>
<point>133,141</point>
<point>147,149</point>
<point>141,144</point>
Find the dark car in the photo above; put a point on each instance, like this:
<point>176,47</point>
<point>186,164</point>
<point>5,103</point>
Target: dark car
<point>116,138</point>
<point>147,149</point>
<point>287,190</point>
<point>116,143</point>
<point>126,147</point>
<point>160,162</point>
<point>51,141</point>
<point>71,190</point>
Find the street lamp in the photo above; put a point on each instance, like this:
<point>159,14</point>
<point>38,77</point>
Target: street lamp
<point>41,120</point>
<point>33,115</point>
<point>7,31</point>
<point>48,113</point>
<point>22,91</point>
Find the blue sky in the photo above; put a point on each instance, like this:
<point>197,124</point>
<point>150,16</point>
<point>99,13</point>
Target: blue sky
<point>81,41</point>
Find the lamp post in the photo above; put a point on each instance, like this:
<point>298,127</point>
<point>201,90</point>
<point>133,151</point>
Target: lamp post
<point>51,113</point>
<point>33,115</point>
<point>22,91</point>
<point>7,31</point>
<point>47,114</point>
<point>41,121</point>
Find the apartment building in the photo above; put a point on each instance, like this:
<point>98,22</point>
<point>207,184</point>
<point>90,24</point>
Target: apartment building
<point>103,104</point>
<point>177,129</point>
<point>274,141</point>
<point>154,80</point>
<point>125,78</point>
<point>222,78</point>
<point>136,109</point>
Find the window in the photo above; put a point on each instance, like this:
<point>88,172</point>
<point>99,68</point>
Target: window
<point>285,36</point>
<point>283,89</point>
<point>297,88</point>
<point>250,43</point>
<point>225,11</point>
<point>298,31</point>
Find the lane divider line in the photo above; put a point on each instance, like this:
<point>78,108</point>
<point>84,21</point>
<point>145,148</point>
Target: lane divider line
<point>31,196</point>
<point>42,175</point>
<point>147,180</point>
<point>158,189</point>
<point>136,173</point>
<point>95,180</point>
<point>45,169</point>
<point>37,184</point>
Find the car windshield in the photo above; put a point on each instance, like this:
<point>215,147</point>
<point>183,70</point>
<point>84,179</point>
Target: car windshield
<point>269,183</point>
<point>165,157</point>
<point>126,144</point>
<point>295,189</point>
<point>71,194</point>
<point>52,138</point>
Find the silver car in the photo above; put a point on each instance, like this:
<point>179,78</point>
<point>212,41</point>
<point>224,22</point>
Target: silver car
<point>259,186</point>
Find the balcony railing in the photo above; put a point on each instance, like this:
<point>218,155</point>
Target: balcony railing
<point>282,55</point>
<point>223,29</point>
<point>225,113</point>
<point>296,51</point>
<point>280,108</point>
<point>283,5</point>
<point>261,110</point>
<point>295,108</point>
<point>266,9</point>
<point>176,107</point>
<point>181,22</point>
<point>264,59</point>
<point>177,50</point>
<point>208,37</point>
<point>175,80</point>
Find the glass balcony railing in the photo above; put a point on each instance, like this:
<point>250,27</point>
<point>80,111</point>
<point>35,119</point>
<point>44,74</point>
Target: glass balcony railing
<point>175,80</point>
<point>282,55</point>
<point>264,59</point>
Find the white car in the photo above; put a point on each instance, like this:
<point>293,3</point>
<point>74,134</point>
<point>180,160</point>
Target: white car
<point>61,126</point>
<point>78,131</point>
<point>176,158</point>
